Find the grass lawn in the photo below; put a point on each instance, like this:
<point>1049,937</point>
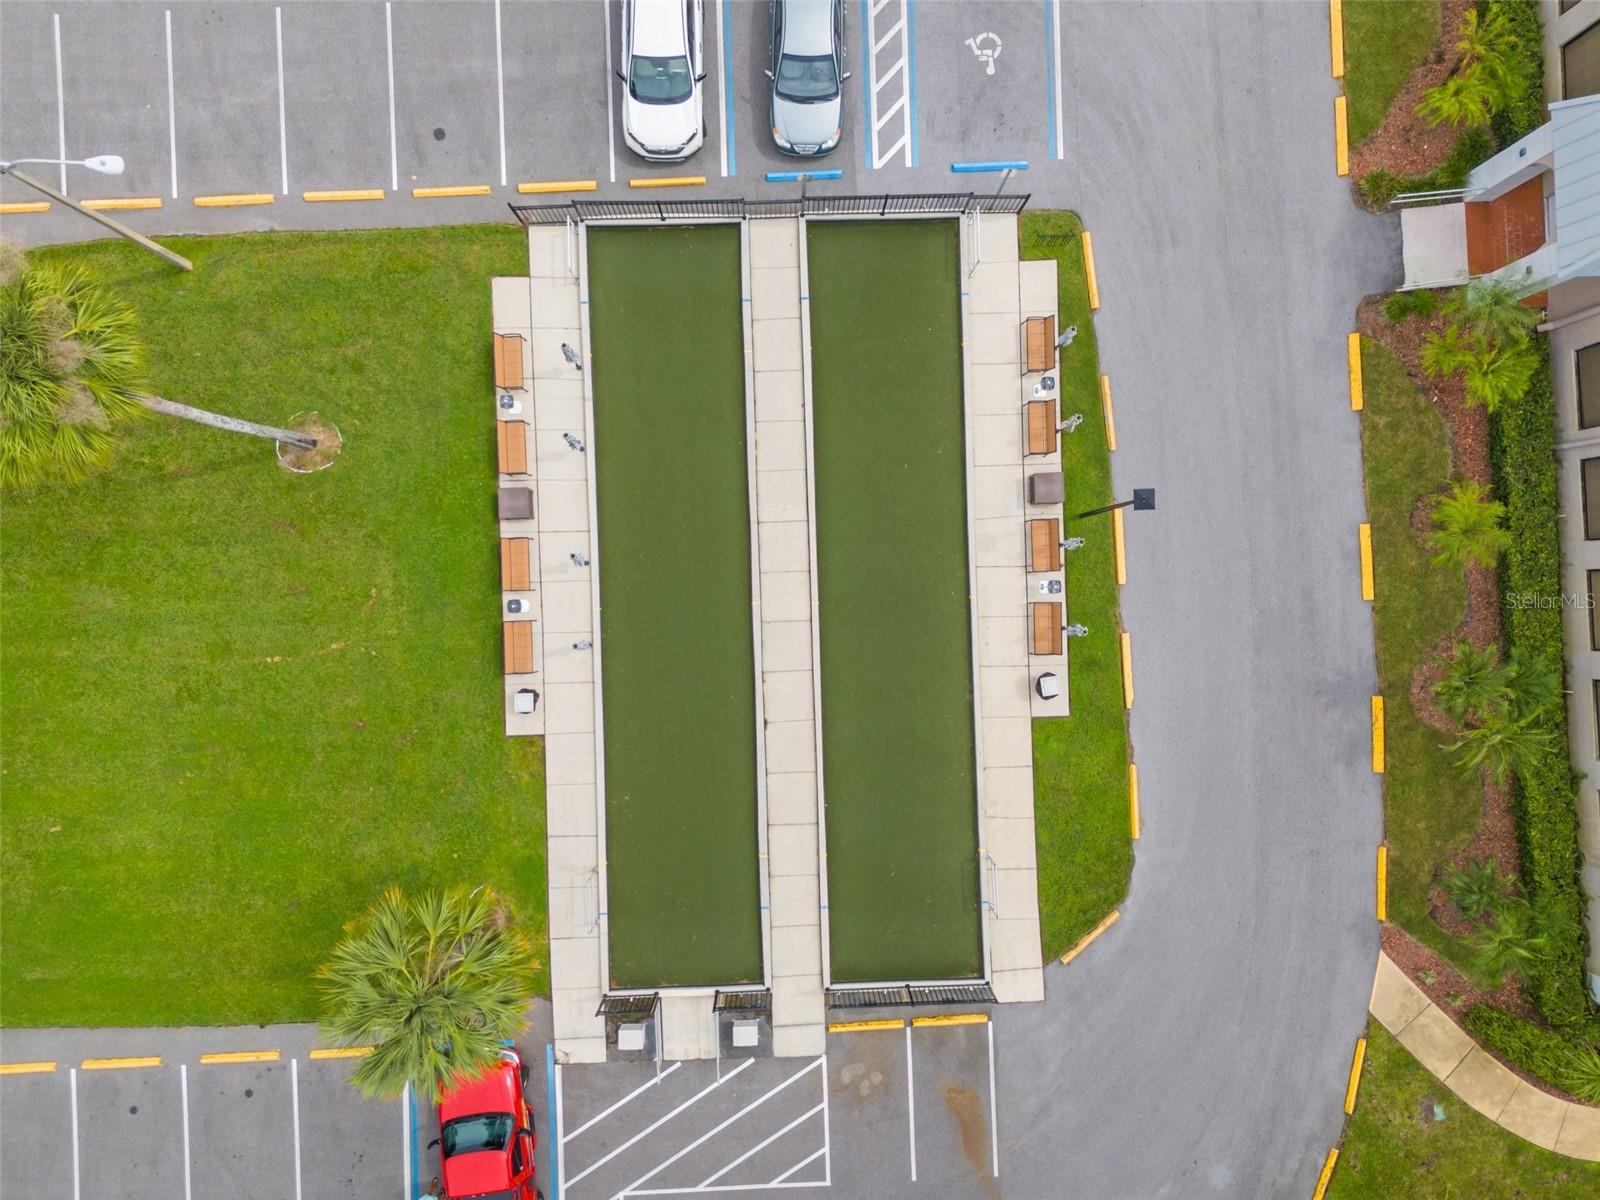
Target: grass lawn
<point>1430,807</point>
<point>1395,1146</point>
<point>239,702</point>
<point>679,674</point>
<point>895,619</point>
<point>1080,763</point>
<point>1384,41</point>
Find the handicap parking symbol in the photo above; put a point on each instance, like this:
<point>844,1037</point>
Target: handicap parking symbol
<point>987,47</point>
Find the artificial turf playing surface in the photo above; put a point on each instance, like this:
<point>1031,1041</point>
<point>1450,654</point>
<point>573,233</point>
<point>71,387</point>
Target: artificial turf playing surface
<point>891,535</point>
<point>678,662</point>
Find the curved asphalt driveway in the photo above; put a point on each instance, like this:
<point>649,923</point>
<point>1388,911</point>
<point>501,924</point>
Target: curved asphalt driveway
<point>1201,1047</point>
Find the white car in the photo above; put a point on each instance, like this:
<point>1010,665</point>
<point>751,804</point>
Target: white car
<point>663,66</point>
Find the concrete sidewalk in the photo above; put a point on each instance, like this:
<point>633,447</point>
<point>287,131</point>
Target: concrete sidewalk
<point>1476,1076</point>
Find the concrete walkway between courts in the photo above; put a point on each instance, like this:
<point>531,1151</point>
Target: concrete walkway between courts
<point>1475,1075</point>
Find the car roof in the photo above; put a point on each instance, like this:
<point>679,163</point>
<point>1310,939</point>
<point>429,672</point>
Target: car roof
<point>808,26</point>
<point>495,1091</point>
<point>658,27</point>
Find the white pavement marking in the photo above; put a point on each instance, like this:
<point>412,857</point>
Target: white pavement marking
<point>658,1123</point>
<point>827,1140</point>
<point>611,87</point>
<point>911,1106</point>
<point>711,1133</point>
<point>722,109</point>
<point>500,89</point>
<point>394,160</point>
<point>874,43</point>
<point>805,1162</point>
<point>183,1089</point>
<point>724,1187</point>
<point>283,127</point>
<point>1055,6</point>
<point>74,1082</point>
<point>600,1116</point>
<point>172,115</point>
<point>994,1120</point>
<point>61,104</point>
<point>405,1123</point>
<point>762,1145</point>
<point>294,1092</point>
<point>561,1142</point>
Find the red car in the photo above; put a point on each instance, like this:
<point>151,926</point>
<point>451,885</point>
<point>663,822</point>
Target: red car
<point>486,1136</point>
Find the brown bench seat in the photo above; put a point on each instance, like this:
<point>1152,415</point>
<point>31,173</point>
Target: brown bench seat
<point>519,647</point>
<point>1045,621</point>
<point>1044,544</point>
<point>1041,426</point>
<point>516,574</point>
<point>1039,344</point>
<point>511,439</point>
<point>508,362</point>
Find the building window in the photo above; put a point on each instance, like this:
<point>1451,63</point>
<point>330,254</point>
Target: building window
<point>1588,371</point>
<point>1580,65</point>
<point>1591,499</point>
<point>1594,610</point>
<point>1596,692</point>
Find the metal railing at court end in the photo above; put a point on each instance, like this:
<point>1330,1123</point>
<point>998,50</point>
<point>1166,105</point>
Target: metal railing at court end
<point>954,204</point>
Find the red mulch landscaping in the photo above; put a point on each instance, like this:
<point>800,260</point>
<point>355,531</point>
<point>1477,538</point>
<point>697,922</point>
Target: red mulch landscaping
<point>1404,143</point>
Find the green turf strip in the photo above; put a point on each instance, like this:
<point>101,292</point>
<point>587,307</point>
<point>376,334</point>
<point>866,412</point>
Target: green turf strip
<point>679,673</point>
<point>892,575</point>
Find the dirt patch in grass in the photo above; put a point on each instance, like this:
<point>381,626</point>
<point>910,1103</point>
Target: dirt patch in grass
<point>1404,143</point>
<point>303,461</point>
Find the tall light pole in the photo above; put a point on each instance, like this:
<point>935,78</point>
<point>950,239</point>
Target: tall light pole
<point>105,164</point>
<point>1143,500</point>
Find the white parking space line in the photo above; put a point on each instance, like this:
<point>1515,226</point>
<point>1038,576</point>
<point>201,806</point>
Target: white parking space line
<point>722,109</point>
<point>659,1122</point>
<point>183,1088</point>
<point>827,1140</point>
<point>405,1124</point>
<point>294,1094</point>
<point>76,1189</point>
<point>911,1106</point>
<point>763,1144</point>
<point>602,1115</point>
<point>283,128</point>
<point>500,89</point>
<point>172,139</point>
<point>994,1120</point>
<point>711,1133</point>
<point>611,87</point>
<point>61,104</point>
<point>805,1162</point>
<point>561,1142</point>
<point>394,158</point>
<point>1055,12</point>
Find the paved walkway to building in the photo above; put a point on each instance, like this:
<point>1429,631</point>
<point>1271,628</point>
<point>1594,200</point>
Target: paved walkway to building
<point>1475,1075</point>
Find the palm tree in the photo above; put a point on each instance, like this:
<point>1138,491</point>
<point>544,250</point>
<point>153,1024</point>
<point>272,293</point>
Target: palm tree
<point>1466,527</point>
<point>1486,44</point>
<point>1492,307</point>
<point>1468,98</point>
<point>1474,683</point>
<point>1497,372</point>
<point>1513,942</point>
<point>435,983</point>
<point>1445,353</point>
<point>1479,890</point>
<point>74,369</point>
<point>1532,686</point>
<point>1503,743</point>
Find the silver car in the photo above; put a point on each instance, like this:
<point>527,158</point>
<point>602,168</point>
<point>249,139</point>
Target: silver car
<point>807,74</point>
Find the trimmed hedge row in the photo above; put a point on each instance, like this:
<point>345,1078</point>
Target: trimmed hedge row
<point>1524,110</point>
<point>1532,1047</point>
<point>1522,440</point>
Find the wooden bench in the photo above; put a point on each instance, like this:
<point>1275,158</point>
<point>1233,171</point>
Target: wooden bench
<point>508,361</point>
<point>1042,435</point>
<point>1044,544</point>
<point>1039,344</point>
<point>516,574</point>
<point>1045,618</point>
<point>519,647</point>
<point>511,438</point>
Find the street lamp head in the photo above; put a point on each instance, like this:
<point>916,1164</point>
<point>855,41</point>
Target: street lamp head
<point>1144,499</point>
<point>106,164</point>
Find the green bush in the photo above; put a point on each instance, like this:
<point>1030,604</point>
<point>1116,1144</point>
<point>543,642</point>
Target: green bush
<point>1522,439</point>
<point>1470,149</point>
<point>1523,110</point>
<point>1533,1048</point>
<point>1420,303</point>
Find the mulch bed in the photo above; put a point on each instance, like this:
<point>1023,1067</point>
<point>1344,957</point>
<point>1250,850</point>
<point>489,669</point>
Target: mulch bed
<point>1404,143</point>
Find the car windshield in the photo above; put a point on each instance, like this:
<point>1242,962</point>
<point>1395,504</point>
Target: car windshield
<point>468,1135</point>
<point>660,80</point>
<point>805,78</point>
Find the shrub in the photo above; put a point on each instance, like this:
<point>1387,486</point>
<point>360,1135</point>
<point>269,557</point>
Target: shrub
<point>1523,108</point>
<point>1522,441</point>
<point>1478,889</point>
<point>1471,147</point>
<point>1583,1073</point>
<point>1420,303</point>
<point>1533,1048</point>
<point>1468,527</point>
<point>1473,682</point>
